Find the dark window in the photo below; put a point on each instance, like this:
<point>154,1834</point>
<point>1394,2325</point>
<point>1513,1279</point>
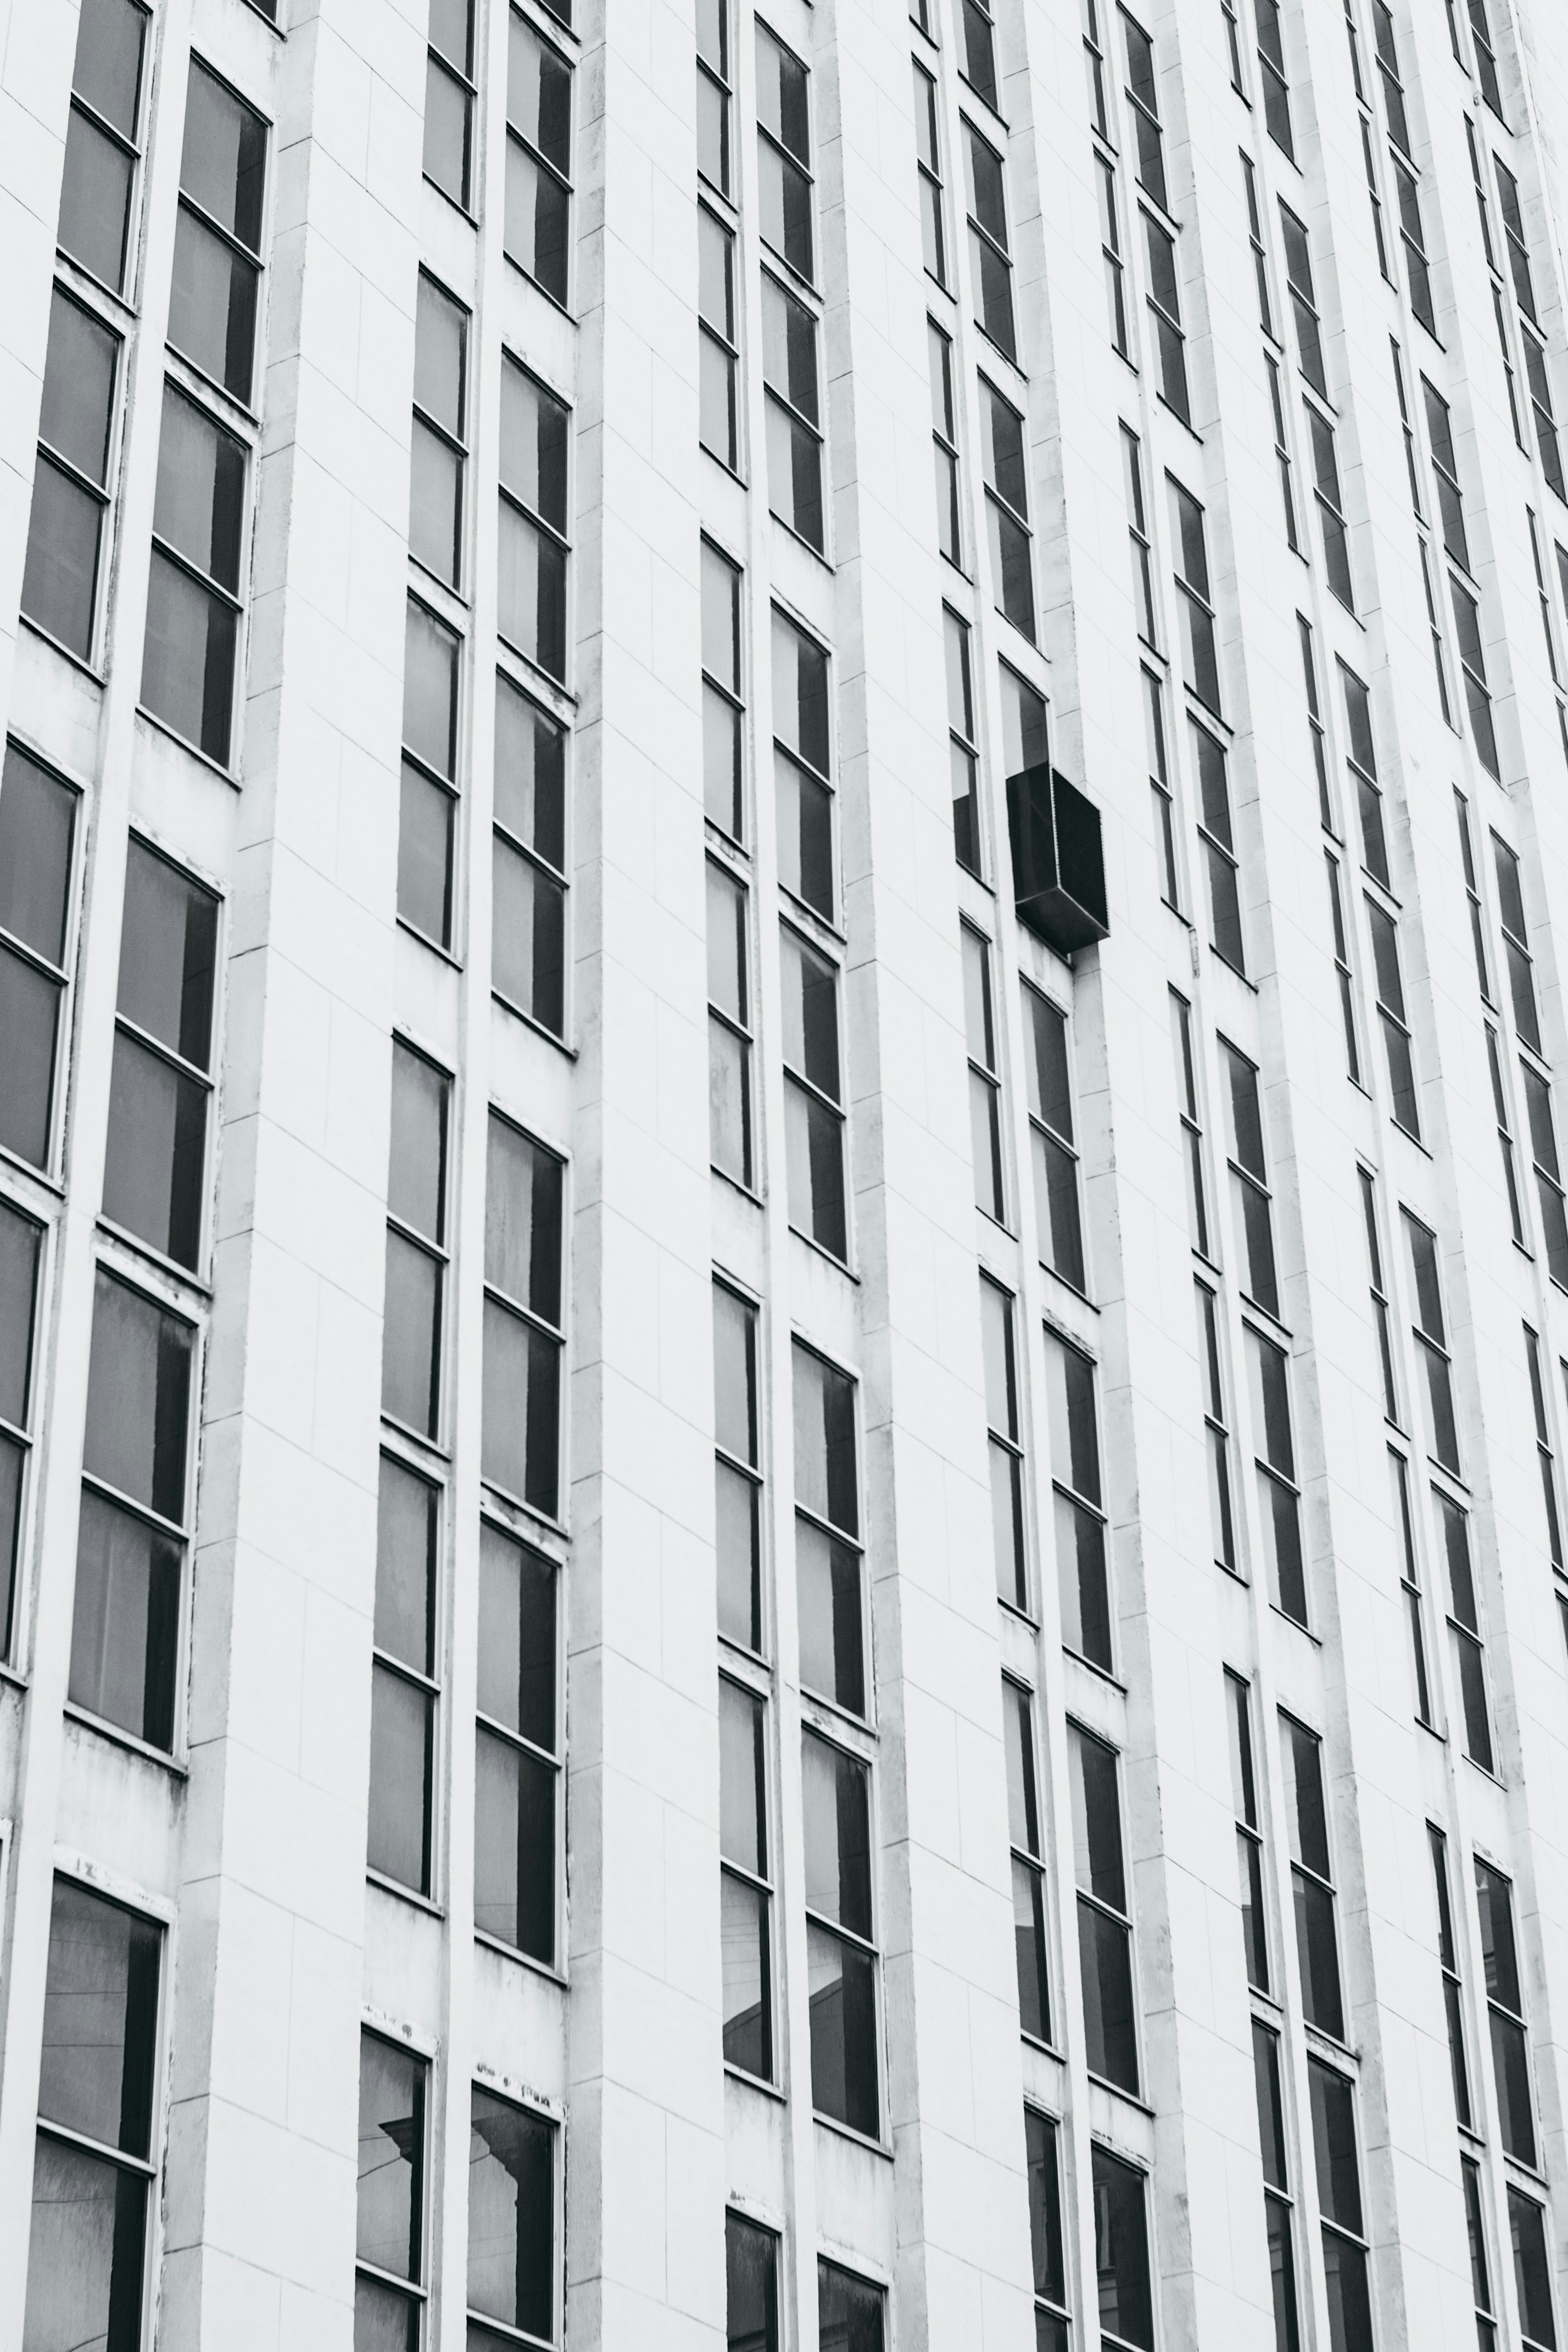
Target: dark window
<point>1110,256</point>
<point>1330,507</point>
<point>784,152</point>
<point>1248,1833</point>
<point>517,1764</point>
<point>1006,473</point>
<point>990,255</point>
<point>125,1632</point>
<point>963,758</point>
<point>928,155</point>
<point>1431,1340</point>
<point>524,1342</point>
<point>1059,1225</point>
<point>1410,1579</point>
<point>1045,2232</point>
<point>1548,1172</point>
<point>70,486</point>
<point>449,94</point>
<point>1164,311</point>
<point>38,842</point>
<point>1513,229</point>
<point>751,2283</point>
<point>1303,294</point>
<point>511,2219</point>
<point>1249,1189</point>
<point>718,356</point>
<point>1312,1877</point>
<point>193,593</point>
<point>528,885</point>
<point>1122,2254</point>
<point>216,285</point>
<point>1481,2268</point>
<point>738,1471</point>
<point>714,90</point>
<point>978,62</point>
<point>729,1024</point>
<point>813,1096</point>
<point>1217,834</point>
<point>746,1890</point>
<point>1363,762</point>
<point>1276,88</point>
<point>723,710</point>
<point>1279,1484</point>
<point>1339,2203</point>
<point>404,1687</point>
<point>1543,1447</point>
<point>1315,724</point>
<point>101,142</point>
<point>1143,104</point>
<point>1082,1533</point>
<point>1505,2008</point>
<point>1140,546</point>
<point>985,1085</point>
<point>794,412</point>
<point>1282,455</point>
<point>1453,1995</point>
<point>1465,1628</point>
<point>532,611</point>
<point>1221,1510</point>
<point>1005,1444</point>
<point>1446,466</point>
<point>849,2311</point>
<point>827,1534</point>
<point>388,2244</point>
<point>1200,654</point>
<point>1342,970</point>
<point>1418,271</point>
<point>1104,1927</point>
<point>154,1178</point>
<point>21,1252</point>
<point>428,806</point>
<point>802,729</point>
<point>1516,942</point>
<point>1192,1129</point>
<point>416,1242</point>
<point>98,2077</point>
<point>1028,1862</point>
<point>439,432</point>
<point>537,233</point>
<point>1389,988</point>
<point>1278,2217</point>
<point>840,1954</point>
<point>1539,383</point>
<point>1532,2270</point>
<point>1473,665</point>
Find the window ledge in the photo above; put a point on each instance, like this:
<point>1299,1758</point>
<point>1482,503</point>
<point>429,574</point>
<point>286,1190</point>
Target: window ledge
<point>528,1022</point>
<point>856,2138</point>
<point>168,1266</point>
<point>52,1184</point>
<point>734,2074</point>
<point>36,629</point>
<point>120,1738</point>
<point>545,1969</point>
<point>1296,1625</point>
<point>410,1895</point>
<point>1128,2098</point>
<point>827,1255</point>
<point>790,531</point>
<point>224,775</point>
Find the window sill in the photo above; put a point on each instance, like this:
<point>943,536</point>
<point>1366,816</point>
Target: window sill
<point>447,955</point>
<point>429,1447</point>
<point>169,1266</point>
<point>1101,1673</point>
<point>1071,1288</point>
<point>52,1184</point>
<point>730,472</point>
<point>446,195</point>
<point>838,1264</point>
<point>1015,365</point>
<point>734,2074</point>
<point>545,1969</point>
<point>445,589</point>
<point>14,1677</point>
<point>856,2138</point>
<point>1331,2043</point>
<point>118,1737</point>
<point>239,411</point>
<point>817,553</point>
<point>1186,422</point>
<point>536,669</point>
<point>543,292</point>
<point>984,103</point>
<point>1046,2049</point>
<point>745,1191</point>
<point>1296,1625</point>
<point>528,1022</point>
<point>1023,1614</point>
<point>274,28</point>
<point>1128,2098</point>
<point>410,1895</point>
<point>508,1508</point>
<point>826,1715</point>
<point>224,775</point>
<point>77,661</point>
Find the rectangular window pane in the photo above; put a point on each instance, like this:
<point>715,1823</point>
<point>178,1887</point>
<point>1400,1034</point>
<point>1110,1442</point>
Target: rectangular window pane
<point>511,2214</point>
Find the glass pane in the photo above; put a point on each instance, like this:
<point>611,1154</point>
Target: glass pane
<point>29,1011</point>
<point>100,2019</point>
<point>511,2214</point>
<point>108,70</point>
<point>1029,1941</point>
<point>537,219</point>
<point>59,586</point>
<point>188,662</point>
<point>402,1734</point>
<point>384,2320</point>
<point>167,955</point>
<point>390,2197</point>
<point>448,132</point>
<point>79,387</point>
<point>836,1803</point>
<point>37,823</point>
<point>523,1207</point>
<point>514,1847</point>
<point>125,1630</point>
<point>1318,1953</point>
<point>430,690</point>
<point>530,775</point>
<point>805,825</point>
<point>155,1162</point>
<point>406,1522</point>
<point>1122,2251</point>
<point>842,1995</point>
<point>532,594</point>
<point>138,1398</point>
<point>1105,1959</point>
<point>224,162</point>
<point>426,819</point>
<point>747,1997</point>
<point>435,505</point>
<point>213,306</point>
<point>411,1336</point>
<point>520,1444</point>
<point>86,2252</point>
<point>528,938</point>
<point>95,201</point>
<point>849,2311</point>
<point>20,1244</point>
<point>740,1548</point>
<point>534,434</point>
<point>1083,1582</point>
<point>1096,1820</point>
<point>416,1178</point>
<point>832,1641</point>
<point>518,1637</point>
<point>735,1374</point>
<point>199,507</point>
<point>751,2300</point>
<point>824,1422</point>
<point>742,1778</point>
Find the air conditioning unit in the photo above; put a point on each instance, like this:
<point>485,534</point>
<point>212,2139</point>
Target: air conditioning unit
<point>1059,863</point>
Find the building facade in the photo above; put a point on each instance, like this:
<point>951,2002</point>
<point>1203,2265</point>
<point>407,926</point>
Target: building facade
<point>783,1254</point>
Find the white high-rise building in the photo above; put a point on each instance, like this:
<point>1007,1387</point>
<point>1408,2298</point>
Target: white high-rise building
<point>783,1255</point>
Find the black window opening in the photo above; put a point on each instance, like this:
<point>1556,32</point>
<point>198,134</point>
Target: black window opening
<point>194,606</point>
<point>1105,1913</point>
<point>1432,1342</point>
<point>1200,648</point>
<point>1272,76</point>
<point>126,1627</point>
<point>803,767</point>
<point>1083,1529</point>
<point>794,418</point>
<point>94,2165</point>
<point>525,1318</point>
<point>103,140</point>
<point>156,1164</point>
<point>1028,1863</point>
<point>829,1572</point>
<point>1465,1640</point>
<point>21,1259</point>
<point>1410,1583</point>
<point>1221,865</point>
<point>1543,1448</point>
<point>751,2285</point>
<point>538,225</point>
<point>1123,2282</point>
<point>528,874</point>
<point>1393,1017</point>
<point>1005,470</point>
<point>404,1686</point>
<point>39,815</point>
<point>1041,2134</point>
<point>977,62</point>
<point>1251,1196</point>
<point>1255,1935</point>
<point>963,754</point>
<point>1054,1149</point>
<point>517,1794</point>
<point>840,1950</point>
<point>784,154</point>
<point>928,159</point>
<point>1505,2014</point>
<point>945,459</point>
<point>216,291</point>
<point>990,252</point>
<point>1191,1124</point>
<point>851,2311</point>
<point>1279,1476</point>
<point>1279,2201</point>
<point>1453,1990</point>
<point>1345,2262</point>
<point>718,348</point>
